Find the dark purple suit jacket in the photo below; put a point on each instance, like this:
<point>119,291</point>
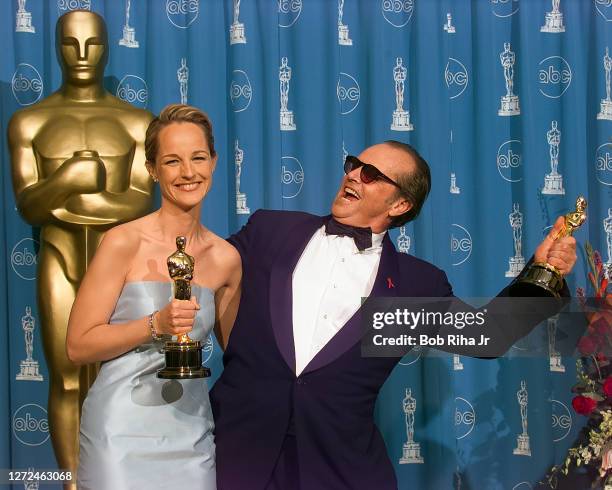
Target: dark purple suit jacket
<point>330,407</point>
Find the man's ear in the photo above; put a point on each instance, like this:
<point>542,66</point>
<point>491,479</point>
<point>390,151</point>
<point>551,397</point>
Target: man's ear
<point>399,207</point>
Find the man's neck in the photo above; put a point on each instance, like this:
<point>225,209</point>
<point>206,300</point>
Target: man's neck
<point>375,227</point>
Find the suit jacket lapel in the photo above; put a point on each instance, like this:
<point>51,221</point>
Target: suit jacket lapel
<point>351,333</point>
<point>281,286</point>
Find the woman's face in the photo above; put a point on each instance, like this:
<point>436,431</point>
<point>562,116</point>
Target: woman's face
<point>183,166</point>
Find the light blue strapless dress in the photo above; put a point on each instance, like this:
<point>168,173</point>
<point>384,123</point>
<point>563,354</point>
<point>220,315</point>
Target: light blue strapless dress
<point>142,432</point>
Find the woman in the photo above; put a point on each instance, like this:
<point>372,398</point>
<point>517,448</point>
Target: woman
<point>138,431</point>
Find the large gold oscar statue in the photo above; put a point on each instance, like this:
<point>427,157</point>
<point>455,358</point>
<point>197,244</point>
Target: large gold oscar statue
<point>78,169</point>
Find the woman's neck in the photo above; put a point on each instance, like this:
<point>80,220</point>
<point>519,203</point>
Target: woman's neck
<point>178,222</point>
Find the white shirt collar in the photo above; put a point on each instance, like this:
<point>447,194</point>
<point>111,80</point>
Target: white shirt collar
<point>377,239</point>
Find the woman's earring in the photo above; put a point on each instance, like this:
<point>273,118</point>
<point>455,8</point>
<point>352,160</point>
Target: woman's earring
<point>155,179</point>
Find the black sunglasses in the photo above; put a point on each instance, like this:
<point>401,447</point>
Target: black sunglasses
<point>369,173</point>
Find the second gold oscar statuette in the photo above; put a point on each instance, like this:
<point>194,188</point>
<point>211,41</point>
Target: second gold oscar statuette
<point>183,356</point>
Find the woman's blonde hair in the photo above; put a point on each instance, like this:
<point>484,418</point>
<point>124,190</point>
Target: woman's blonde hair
<point>177,113</point>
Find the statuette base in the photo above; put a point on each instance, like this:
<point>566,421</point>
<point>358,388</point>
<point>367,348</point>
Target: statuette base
<point>411,454</point>
<point>343,36</point>
<point>553,184</point>
<point>241,204</point>
<point>237,33</point>
<point>509,106</point>
<point>522,448</point>
<point>129,38</point>
<point>24,22</point>
<point>29,371</point>
<point>516,265</point>
<point>555,364</point>
<point>605,110</point>
<point>401,121</point>
<point>183,361</point>
<point>286,121</point>
<point>553,23</point>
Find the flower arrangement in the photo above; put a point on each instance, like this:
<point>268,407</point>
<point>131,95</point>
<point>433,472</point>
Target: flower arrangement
<point>594,374</point>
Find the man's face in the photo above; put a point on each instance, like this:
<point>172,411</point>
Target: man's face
<point>82,47</point>
<point>363,205</point>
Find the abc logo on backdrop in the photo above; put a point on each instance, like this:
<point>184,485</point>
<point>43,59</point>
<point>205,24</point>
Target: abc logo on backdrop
<point>288,12</point>
<point>461,244</point>
<point>397,12</point>
<point>554,76</point>
<point>134,90</point>
<point>465,417</point>
<point>348,93</point>
<point>66,5</point>
<point>510,161</point>
<point>27,84</point>
<point>603,164</point>
<point>30,425</point>
<point>292,177</point>
<point>240,91</point>
<point>456,77</point>
<point>24,258</point>
<point>182,13</point>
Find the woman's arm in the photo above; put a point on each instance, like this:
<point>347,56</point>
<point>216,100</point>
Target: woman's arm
<point>90,338</point>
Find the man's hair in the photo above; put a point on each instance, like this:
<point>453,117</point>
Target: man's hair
<point>177,113</point>
<point>414,185</point>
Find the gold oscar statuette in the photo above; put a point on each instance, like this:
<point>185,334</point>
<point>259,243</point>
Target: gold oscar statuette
<point>78,169</point>
<point>184,356</point>
<point>542,279</point>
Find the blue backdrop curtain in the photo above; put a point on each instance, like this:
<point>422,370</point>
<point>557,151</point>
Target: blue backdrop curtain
<point>340,97</point>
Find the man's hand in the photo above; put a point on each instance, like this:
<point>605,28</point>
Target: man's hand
<point>560,253</point>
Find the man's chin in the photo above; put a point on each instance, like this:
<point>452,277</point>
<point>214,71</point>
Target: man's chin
<point>341,208</point>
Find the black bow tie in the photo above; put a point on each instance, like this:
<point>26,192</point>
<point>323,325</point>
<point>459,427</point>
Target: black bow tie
<point>361,236</point>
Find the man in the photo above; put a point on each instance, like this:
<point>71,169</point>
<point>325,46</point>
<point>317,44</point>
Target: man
<point>78,169</point>
<point>294,405</point>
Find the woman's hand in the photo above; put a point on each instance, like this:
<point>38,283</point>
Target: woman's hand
<point>177,317</point>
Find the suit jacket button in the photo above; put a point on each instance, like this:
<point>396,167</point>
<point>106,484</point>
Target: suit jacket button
<point>300,381</point>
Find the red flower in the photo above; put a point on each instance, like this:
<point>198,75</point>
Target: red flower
<point>583,405</point>
<point>607,387</point>
<point>586,345</point>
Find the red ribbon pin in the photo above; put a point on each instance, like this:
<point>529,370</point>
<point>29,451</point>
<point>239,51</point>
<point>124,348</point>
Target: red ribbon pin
<point>390,283</point>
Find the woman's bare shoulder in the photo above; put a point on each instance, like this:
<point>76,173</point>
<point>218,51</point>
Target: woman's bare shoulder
<point>221,250</point>
<point>126,237</point>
